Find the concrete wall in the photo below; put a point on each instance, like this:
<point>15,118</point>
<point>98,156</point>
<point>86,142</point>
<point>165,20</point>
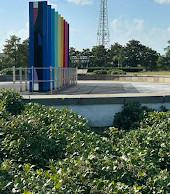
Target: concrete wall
<point>137,78</point>
<point>4,78</point>
<point>99,110</point>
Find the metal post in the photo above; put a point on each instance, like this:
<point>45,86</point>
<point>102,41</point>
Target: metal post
<point>20,78</point>
<point>26,88</point>
<point>64,75</point>
<point>51,81</point>
<point>68,76</point>
<point>32,71</point>
<point>14,79</point>
<point>55,78</point>
<point>76,76</point>
<point>61,77</point>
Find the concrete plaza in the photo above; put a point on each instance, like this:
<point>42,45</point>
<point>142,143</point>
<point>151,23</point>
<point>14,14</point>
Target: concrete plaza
<point>101,87</point>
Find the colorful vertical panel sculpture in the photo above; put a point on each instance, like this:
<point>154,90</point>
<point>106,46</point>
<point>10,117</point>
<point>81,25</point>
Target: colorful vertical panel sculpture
<point>49,36</point>
<point>59,40</point>
<point>62,40</point>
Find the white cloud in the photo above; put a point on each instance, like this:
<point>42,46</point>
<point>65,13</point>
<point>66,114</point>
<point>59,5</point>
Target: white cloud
<point>81,2</point>
<point>123,30</point>
<point>162,1</point>
<point>22,33</point>
<point>53,5</point>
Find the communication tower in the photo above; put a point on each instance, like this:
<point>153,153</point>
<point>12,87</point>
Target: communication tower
<point>103,37</point>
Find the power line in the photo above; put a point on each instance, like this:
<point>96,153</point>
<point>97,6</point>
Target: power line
<point>103,37</point>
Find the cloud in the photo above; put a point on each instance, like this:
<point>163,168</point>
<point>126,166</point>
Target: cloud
<point>123,30</point>
<point>21,33</point>
<point>53,5</point>
<point>81,2</point>
<point>162,1</point>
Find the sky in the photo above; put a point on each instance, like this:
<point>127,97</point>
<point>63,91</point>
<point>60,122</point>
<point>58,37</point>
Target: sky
<point>145,20</point>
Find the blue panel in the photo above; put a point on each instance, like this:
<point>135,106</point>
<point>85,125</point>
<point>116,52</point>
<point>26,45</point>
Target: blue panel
<point>52,37</point>
<point>49,44</point>
<point>31,39</point>
<point>45,44</point>
<point>39,40</point>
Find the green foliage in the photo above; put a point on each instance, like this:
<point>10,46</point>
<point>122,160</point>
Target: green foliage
<point>130,116</point>
<point>109,72</point>
<point>99,72</point>
<point>39,134</point>
<point>16,53</point>
<point>11,101</point>
<point>145,154</point>
<point>7,71</point>
<point>126,69</point>
<point>44,150</point>
<point>116,72</point>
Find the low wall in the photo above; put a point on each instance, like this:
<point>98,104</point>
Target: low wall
<point>137,78</point>
<point>6,78</point>
<point>99,110</point>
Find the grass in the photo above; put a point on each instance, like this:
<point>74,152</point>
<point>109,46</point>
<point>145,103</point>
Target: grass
<point>149,73</point>
<point>144,73</point>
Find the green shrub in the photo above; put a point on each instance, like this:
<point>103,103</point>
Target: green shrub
<point>44,150</point>
<point>126,69</point>
<point>39,134</point>
<point>130,116</point>
<point>116,72</point>
<point>144,154</point>
<point>137,162</point>
<point>99,72</point>
<point>110,72</point>
<point>11,101</point>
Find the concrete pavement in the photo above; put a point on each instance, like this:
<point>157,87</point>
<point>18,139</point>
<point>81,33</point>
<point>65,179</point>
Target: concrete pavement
<point>101,87</point>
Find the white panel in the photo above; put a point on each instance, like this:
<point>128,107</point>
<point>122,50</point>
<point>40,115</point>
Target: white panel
<point>35,5</point>
<point>36,88</point>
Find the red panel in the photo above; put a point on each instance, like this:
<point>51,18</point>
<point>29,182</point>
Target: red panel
<point>64,48</point>
<point>35,14</point>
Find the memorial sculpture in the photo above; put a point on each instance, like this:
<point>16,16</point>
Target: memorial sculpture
<point>49,45</point>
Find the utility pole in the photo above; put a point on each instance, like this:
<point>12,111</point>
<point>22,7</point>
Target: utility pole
<point>103,37</point>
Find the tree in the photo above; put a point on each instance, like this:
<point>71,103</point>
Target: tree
<point>138,54</point>
<point>133,53</point>
<point>16,53</point>
<point>149,59</point>
<point>167,49</point>
<point>2,60</point>
<point>23,53</point>
<point>99,56</point>
<point>11,50</point>
<point>116,54</point>
<point>73,53</point>
<point>163,63</point>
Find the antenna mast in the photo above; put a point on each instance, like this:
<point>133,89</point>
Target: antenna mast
<point>103,37</point>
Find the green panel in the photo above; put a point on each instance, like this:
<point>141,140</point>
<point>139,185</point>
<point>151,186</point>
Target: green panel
<point>59,40</point>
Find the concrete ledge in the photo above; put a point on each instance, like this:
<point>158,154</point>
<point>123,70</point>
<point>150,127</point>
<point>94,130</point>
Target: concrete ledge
<point>137,78</point>
<point>52,100</point>
<point>99,109</point>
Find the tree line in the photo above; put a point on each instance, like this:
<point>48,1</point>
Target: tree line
<point>133,54</point>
